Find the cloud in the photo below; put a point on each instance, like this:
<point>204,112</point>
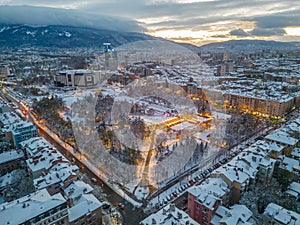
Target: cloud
<point>266,32</point>
<point>279,20</point>
<point>264,17</point>
<point>69,17</point>
<point>239,32</point>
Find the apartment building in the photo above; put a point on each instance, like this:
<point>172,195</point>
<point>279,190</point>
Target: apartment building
<point>277,215</point>
<point>235,215</point>
<point>169,215</point>
<point>37,208</point>
<point>203,200</point>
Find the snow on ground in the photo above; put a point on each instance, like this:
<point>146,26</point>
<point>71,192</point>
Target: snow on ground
<point>69,100</point>
<point>203,136</point>
<point>219,115</point>
<point>183,126</point>
<point>141,192</point>
<point>154,119</point>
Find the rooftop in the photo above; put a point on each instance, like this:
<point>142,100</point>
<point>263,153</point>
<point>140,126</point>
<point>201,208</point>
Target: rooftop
<point>11,156</point>
<point>169,215</point>
<point>281,214</point>
<point>86,204</point>
<point>29,207</point>
<point>214,187</point>
<point>236,215</point>
<point>281,137</point>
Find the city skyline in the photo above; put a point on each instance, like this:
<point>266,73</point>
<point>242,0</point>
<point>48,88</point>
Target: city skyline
<point>196,21</point>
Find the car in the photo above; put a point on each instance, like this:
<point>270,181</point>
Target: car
<point>121,205</point>
<point>94,180</point>
<point>106,206</point>
<point>175,194</point>
<point>101,199</point>
<point>180,189</point>
<point>184,208</point>
<point>191,183</point>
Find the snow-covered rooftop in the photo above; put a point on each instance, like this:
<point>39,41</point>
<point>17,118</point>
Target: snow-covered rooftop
<point>281,137</point>
<point>282,215</point>
<point>28,207</point>
<point>11,156</point>
<point>296,153</point>
<point>233,174</point>
<point>290,164</point>
<point>55,176</point>
<point>86,204</point>
<point>169,215</point>
<point>215,187</point>
<point>77,188</point>
<point>294,189</point>
<point>236,215</point>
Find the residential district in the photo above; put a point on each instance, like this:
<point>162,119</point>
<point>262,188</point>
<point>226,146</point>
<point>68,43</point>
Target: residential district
<point>234,116</point>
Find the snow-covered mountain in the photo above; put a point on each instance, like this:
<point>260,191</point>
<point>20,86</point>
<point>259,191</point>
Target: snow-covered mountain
<point>63,36</point>
<point>64,28</point>
<point>40,16</point>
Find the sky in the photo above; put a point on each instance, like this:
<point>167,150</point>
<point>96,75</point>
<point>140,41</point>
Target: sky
<point>196,21</point>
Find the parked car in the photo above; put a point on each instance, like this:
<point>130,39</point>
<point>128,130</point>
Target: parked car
<point>106,206</point>
<point>94,180</point>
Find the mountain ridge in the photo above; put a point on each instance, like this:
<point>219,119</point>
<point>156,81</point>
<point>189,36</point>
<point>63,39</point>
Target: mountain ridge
<point>59,36</point>
<point>20,35</point>
<point>249,45</point>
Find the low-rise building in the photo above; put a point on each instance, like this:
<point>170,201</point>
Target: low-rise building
<point>264,165</point>
<point>10,160</point>
<point>203,200</point>
<point>57,179</point>
<point>235,215</point>
<point>293,191</point>
<point>43,160</point>
<point>84,208</point>
<point>236,178</point>
<point>277,215</point>
<point>273,149</point>
<point>288,164</point>
<point>169,215</point>
<point>295,154</point>
<point>36,208</point>
<point>283,138</point>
